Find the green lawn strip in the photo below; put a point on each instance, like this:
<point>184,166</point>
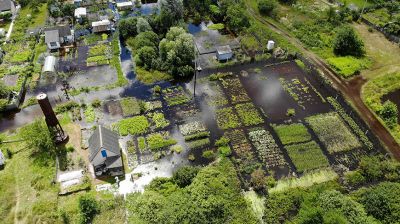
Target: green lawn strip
<point>249,114</point>
<point>292,133</point>
<point>150,77</point>
<point>134,125</point>
<point>160,140</point>
<point>90,114</point>
<point>198,143</point>
<point>130,106</point>
<point>199,135</point>
<point>331,130</point>
<point>307,156</point>
<point>227,119</point>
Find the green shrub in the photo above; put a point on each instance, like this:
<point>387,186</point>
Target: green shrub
<point>159,140</point>
<point>208,154</point>
<point>198,143</point>
<point>65,107</point>
<point>199,135</point>
<point>142,144</point>
<point>88,207</point>
<point>354,178</point>
<point>347,42</point>
<point>223,141</point>
<point>225,150</point>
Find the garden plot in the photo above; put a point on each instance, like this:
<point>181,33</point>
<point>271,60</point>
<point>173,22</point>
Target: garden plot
<point>184,113</point>
<point>333,132</point>
<point>307,156</point>
<point>195,134</point>
<point>214,95</point>
<point>133,160</point>
<point>293,133</point>
<point>93,77</point>
<point>235,90</point>
<point>99,54</point>
<point>227,118</point>
<point>175,96</point>
<point>245,159</point>
<point>267,149</point>
<point>300,92</point>
<point>249,114</point>
<point>142,124</point>
<point>130,106</point>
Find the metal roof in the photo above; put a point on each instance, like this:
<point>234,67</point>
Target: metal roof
<point>49,64</point>
<point>224,49</point>
<point>51,36</point>
<point>79,12</point>
<point>103,138</point>
<point>123,4</point>
<point>101,23</point>
<point>5,5</point>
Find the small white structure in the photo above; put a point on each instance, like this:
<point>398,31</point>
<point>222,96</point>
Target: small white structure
<point>49,66</point>
<point>101,26</point>
<point>270,45</point>
<point>224,53</point>
<point>2,159</point>
<point>80,12</point>
<point>2,32</point>
<point>124,5</point>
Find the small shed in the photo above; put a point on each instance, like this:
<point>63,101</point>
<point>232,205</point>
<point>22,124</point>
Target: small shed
<point>2,159</point>
<point>2,32</point>
<point>80,12</point>
<point>270,45</point>
<point>49,66</point>
<point>124,5</point>
<point>224,53</point>
<point>101,26</point>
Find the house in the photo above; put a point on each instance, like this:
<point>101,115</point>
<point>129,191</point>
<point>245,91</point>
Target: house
<point>7,6</point>
<point>124,5</point>
<point>80,12</point>
<point>49,67</point>
<point>101,26</point>
<point>224,53</point>
<point>58,36</point>
<point>105,153</point>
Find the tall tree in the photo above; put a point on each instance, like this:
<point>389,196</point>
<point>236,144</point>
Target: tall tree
<point>347,42</point>
<point>171,13</point>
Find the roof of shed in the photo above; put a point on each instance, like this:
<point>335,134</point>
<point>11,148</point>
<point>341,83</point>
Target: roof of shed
<point>101,23</point>
<point>49,64</point>
<point>80,12</point>
<point>103,138</point>
<point>224,49</point>
<point>51,36</point>
<point>5,5</point>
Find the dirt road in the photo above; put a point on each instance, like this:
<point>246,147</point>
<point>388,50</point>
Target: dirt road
<point>350,89</point>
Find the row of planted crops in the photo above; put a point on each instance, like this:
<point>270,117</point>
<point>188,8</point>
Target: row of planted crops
<point>225,121</point>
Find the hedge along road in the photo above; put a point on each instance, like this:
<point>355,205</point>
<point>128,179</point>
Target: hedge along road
<point>350,89</point>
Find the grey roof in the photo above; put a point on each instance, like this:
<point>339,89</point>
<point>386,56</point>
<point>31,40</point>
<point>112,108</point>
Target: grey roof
<point>113,162</point>
<point>5,5</point>
<point>64,30</point>
<point>51,36</point>
<point>103,138</point>
<point>2,159</point>
<point>224,49</point>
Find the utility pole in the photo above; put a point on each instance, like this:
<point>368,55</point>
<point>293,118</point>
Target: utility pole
<point>65,88</point>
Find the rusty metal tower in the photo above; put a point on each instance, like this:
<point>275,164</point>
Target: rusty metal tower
<point>51,119</point>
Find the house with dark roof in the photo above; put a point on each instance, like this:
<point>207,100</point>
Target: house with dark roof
<point>105,153</point>
<point>58,36</point>
<point>7,6</point>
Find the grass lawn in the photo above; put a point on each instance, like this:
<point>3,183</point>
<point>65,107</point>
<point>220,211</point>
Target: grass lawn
<point>333,132</point>
<point>37,19</point>
<point>307,156</point>
<point>150,77</point>
<point>292,133</point>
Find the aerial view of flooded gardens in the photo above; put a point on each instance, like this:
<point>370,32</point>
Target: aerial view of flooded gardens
<point>199,111</point>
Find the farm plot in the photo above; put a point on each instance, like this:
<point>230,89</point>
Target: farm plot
<point>215,96</point>
<point>99,55</point>
<point>249,114</point>
<point>154,146</point>
<point>245,159</point>
<point>333,133</point>
<point>175,96</point>
<point>293,133</point>
<point>267,149</point>
<point>195,134</point>
<point>130,106</point>
<point>307,156</point>
<point>227,119</point>
<point>135,125</point>
<point>300,92</point>
<point>235,90</point>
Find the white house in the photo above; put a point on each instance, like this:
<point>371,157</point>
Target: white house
<point>58,36</point>
<point>224,53</point>
<point>124,5</point>
<point>101,26</point>
<point>80,12</point>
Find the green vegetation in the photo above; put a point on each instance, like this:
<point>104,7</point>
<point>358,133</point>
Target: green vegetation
<point>134,126</point>
<point>216,26</point>
<point>389,114</point>
<point>307,156</point>
<point>90,114</point>
<point>331,130</point>
<point>198,143</point>
<point>160,140</point>
<point>248,114</point>
<point>202,134</point>
<point>175,96</point>
<point>292,133</point>
<point>142,144</point>
<point>150,77</point>
<point>227,119</point>
<point>348,66</point>
<point>166,200</point>
<point>347,42</point>
<point>130,106</point>
<point>159,120</point>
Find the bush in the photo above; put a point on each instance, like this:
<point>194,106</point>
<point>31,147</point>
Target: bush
<point>389,114</point>
<point>88,207</point>
<point>183,176</point>
<point>96,103</point>
<point>225,151</point>
<point>266,7</point>
<point>354,178</point>
<point>347,42</point>
<point>208,154</point>
<point>68,106</point>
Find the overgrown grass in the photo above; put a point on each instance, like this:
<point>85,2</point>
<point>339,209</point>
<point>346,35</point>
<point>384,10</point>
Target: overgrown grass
<point>257,203</point>
<point>305,181</point>
<point>150,77</point>
<point>130,106</point>
<point>292,133</point>
<point>307,156</point>
<point>348,66</point>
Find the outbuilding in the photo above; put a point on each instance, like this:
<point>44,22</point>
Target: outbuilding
<point>105,153</point>
<point>124,5</point>
<point>224,53</point>
<point>57,36</point>
<point>80,12</point>
<point>7,6</point>
<point>101,26</point>
<point>49,66</point>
